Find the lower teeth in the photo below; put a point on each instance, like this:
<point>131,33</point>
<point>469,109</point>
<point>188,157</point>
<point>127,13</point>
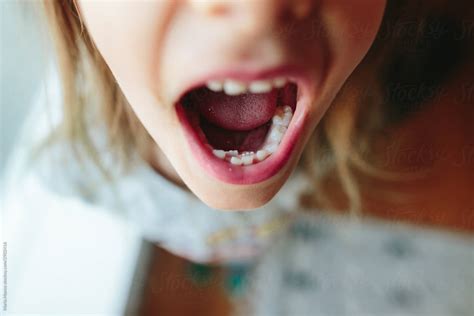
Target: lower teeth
<point>280,122</point>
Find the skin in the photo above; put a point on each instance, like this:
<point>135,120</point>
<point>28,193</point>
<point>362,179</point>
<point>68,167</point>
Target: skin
<point>155,49</point>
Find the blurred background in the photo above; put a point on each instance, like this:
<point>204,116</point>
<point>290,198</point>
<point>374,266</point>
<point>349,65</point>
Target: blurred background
<point>23,59</point>
<point>24,56</point>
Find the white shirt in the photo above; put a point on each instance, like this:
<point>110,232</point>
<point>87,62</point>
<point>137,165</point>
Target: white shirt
<point>331,265</point>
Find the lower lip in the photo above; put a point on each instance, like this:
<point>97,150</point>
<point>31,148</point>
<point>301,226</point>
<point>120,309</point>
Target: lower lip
<point>245,174</point>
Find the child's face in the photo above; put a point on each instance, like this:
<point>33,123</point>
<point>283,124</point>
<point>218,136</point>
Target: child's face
<point>232,90</point>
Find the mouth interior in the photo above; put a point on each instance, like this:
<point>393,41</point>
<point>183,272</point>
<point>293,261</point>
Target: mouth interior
<point>236,122</point>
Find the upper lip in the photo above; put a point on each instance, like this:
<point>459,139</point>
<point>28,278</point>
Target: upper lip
<point>290,72</point>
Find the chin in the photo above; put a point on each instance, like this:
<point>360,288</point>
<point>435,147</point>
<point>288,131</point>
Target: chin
<point>237,197</point>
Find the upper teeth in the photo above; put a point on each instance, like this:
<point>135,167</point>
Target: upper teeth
<point>215,85</point>
<point>235,87</point>
<point>260,86</point>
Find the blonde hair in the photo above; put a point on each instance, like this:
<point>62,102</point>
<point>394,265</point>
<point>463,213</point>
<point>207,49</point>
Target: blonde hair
<point>339,148</point>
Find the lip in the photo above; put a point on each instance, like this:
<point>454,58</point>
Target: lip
<point>261,171</point>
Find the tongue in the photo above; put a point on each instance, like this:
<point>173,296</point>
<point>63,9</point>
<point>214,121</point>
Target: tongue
<point>224,139</point>
<point>237,113</point>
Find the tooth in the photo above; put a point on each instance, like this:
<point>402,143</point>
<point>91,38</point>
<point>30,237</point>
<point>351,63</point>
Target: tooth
<point>215,85</point>
<point>262,154</point>
<point>235,161</point>
<point>279,82</point>
<point>219,153</point>
<point>271,148</point>
<point>247,159</point>
<point>282,129</point>
<point>277,120</point>
<point>287,109</point>
<point>232,87</point>
<point>279,111</point>
<point>286,119</point>
<point>233,153</point>
<point>260,86</point>
<point>275,135</point>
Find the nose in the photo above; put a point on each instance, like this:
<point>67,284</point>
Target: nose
<point>255,16</point>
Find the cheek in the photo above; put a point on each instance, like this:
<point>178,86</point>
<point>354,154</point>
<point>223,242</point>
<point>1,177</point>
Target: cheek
<point>127,34</point>
<point>351,26</point>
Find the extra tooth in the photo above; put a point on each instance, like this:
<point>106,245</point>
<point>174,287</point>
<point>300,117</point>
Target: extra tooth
<point>279,82</point>
<point>287,109</point>
<point>261,86</point>
<point>280,111</point>
<point>215,85</point>
<point>219,153</point>
<point>247,159</point>
<point>262,154</point>
<point>232,87</point>
<point>235,161</point>
<point>271,148</point>
<point>286,119</point>
<point>233,153</point>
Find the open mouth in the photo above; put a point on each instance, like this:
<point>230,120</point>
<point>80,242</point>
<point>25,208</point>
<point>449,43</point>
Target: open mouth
<point>242,131</point>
